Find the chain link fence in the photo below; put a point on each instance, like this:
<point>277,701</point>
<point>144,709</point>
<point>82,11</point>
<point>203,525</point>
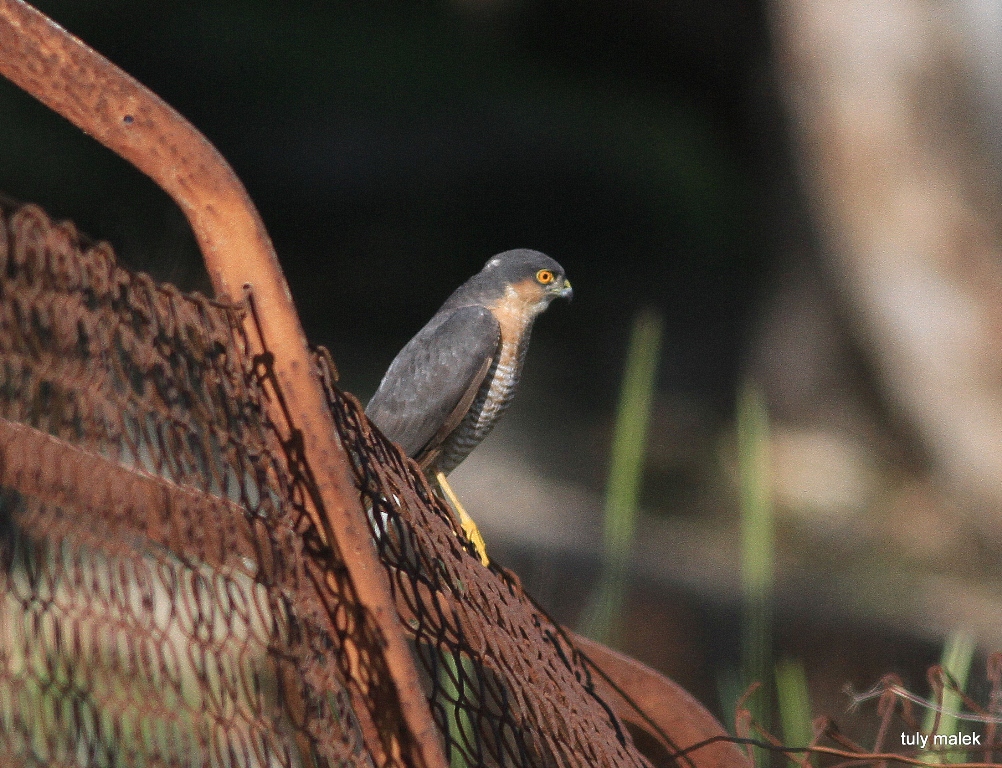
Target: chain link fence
<point>166,599</point>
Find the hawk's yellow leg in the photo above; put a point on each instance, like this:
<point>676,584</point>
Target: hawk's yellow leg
<point>469,527</point>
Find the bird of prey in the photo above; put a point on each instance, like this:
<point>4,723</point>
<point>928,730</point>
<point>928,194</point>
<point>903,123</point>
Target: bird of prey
<point>447,388</point>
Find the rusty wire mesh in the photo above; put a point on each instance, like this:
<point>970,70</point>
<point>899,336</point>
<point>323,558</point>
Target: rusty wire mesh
<point>505,684</point>
<point>165,599</point>
<point>156,603</point>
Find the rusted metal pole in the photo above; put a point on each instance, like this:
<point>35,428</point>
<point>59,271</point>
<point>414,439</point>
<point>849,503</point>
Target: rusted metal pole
<point>82,86</point>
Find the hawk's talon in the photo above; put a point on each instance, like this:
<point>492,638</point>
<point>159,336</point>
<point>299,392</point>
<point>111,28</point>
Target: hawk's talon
<point>465,521</point>
<point>473,534</point>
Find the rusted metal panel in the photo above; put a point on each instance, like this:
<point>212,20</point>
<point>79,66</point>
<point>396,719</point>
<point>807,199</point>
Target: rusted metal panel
<point>85,88</point>
<point>149,535</point>
<point>491,656</point>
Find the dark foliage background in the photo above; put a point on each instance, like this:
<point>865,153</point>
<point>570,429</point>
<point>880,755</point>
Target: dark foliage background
<point>393,147</point>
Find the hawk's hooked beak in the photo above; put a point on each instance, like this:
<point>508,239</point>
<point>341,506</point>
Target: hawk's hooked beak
<point>565,290</point>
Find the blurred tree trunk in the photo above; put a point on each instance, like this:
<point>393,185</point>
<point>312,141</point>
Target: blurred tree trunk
<point>887,104</point>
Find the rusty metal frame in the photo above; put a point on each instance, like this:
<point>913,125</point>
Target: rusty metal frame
<point>661,708</point>
<point>78,83</point>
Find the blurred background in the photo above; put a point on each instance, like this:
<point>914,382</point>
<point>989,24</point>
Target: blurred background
<point>801,196</point>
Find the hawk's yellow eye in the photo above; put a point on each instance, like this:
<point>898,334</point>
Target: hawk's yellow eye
<point>545,276</point>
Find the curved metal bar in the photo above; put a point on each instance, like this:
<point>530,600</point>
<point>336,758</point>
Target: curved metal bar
<point>661,708</point>
<point>89,91</point>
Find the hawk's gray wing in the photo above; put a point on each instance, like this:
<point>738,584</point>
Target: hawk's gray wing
<point>431,384</point>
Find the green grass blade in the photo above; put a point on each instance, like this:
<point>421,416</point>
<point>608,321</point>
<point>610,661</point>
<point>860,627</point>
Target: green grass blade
<point>757,524</point>
<point>794,703</point>
<point>602,616</point>
<point>451,677</point>
<point>757,549</point>
<point>958,654</point>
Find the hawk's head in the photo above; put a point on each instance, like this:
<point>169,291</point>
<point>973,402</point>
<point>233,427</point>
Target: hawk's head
<point>530,278</point>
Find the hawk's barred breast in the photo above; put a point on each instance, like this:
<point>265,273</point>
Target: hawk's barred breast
<point>493,399</point>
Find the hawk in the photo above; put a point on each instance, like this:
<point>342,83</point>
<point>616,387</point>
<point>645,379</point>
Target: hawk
<point>447,388</point>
